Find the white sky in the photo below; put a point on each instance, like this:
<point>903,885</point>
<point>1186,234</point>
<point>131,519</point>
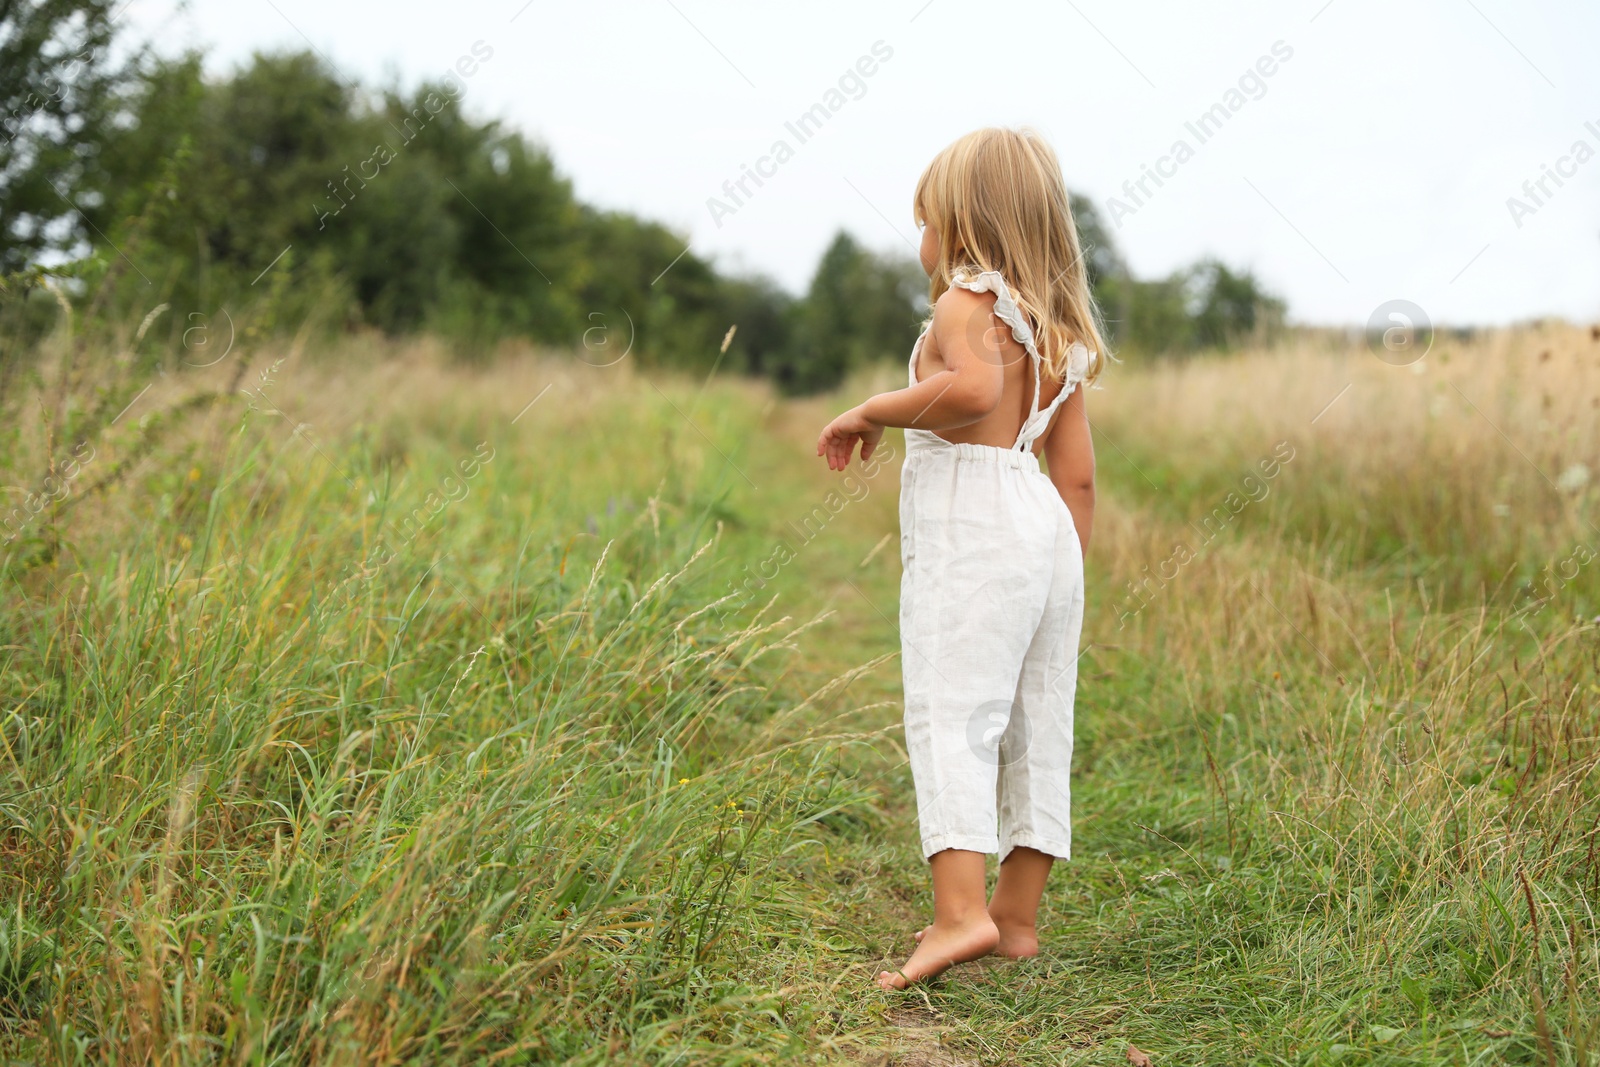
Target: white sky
<point>1376,166</point>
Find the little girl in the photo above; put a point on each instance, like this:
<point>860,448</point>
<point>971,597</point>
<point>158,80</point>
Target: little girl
<point>991,595</point>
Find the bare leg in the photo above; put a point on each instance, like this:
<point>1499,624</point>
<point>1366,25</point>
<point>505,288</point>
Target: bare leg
<point>1015,905</point>
<point>961,930</point>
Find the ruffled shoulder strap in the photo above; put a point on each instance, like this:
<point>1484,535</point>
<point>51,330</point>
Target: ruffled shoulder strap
<point>1078,357</point>
<point>1005,308</point>
<point>1037,423</point>
<point>1005,305</point>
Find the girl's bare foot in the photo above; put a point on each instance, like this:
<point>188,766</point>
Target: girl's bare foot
<point>1017,940</point>
<point>940,948</point>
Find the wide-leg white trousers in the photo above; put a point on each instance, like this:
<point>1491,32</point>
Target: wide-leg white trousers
<point>991,612</point>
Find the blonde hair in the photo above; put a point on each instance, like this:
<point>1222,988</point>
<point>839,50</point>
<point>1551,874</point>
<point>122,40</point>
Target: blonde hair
<point>998,202</point>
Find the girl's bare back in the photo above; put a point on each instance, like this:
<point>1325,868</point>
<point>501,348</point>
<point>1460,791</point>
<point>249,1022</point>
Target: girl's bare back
<point>987,334</point>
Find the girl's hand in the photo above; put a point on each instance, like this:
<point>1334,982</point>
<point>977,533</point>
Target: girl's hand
<point>839,437</point>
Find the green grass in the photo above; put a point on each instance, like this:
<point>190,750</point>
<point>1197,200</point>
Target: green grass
<point>302,764</point>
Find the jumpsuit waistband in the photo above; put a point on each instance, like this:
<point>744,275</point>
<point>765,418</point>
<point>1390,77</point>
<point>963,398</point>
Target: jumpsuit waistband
<point>921,442</point>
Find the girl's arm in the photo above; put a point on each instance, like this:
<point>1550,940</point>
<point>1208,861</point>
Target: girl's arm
<point>969,388</point>
<point>1069,454</point>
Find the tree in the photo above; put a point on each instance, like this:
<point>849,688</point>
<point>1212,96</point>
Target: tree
<point>1207,305</point>
<point>764,315</point>
<point>56,87</point>
<point>859,308</point>
<point>1099,249</point>
<point>400,210</point>
<point>1228,307</point>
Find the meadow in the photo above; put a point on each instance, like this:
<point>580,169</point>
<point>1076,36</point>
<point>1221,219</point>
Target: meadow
<point>360,706</point>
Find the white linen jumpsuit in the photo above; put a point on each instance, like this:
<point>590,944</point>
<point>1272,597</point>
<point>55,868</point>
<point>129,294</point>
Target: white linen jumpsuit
<point>991,611</point>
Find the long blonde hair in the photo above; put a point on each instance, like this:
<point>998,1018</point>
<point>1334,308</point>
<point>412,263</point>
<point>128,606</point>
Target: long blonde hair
<point>998,202</point>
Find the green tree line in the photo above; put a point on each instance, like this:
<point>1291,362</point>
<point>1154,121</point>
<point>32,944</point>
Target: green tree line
<point>398,210</point>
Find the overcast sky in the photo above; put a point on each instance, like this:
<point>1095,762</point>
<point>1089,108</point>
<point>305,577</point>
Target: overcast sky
<point>1374,162</point>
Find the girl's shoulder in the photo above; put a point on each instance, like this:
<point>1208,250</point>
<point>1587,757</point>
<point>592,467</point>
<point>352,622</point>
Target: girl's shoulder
<point>959,301</point>
<point>983,293</point>
<point>961,313</point>
<point>961,298</point>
